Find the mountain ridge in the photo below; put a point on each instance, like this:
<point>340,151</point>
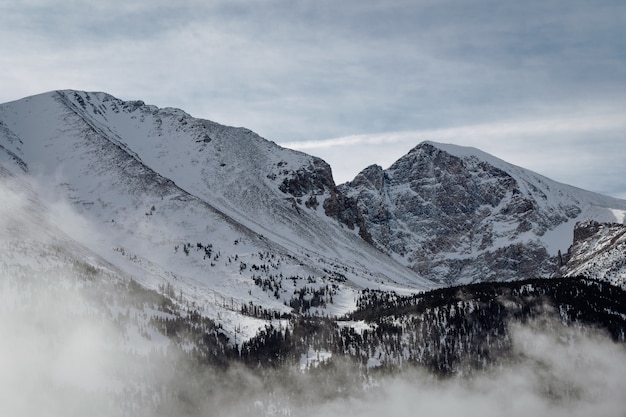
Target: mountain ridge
<point>450,214</point>
<point>441,206</point>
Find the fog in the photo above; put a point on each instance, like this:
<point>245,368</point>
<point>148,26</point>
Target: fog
<point>71,344</point>
<point>556,371</point>
<point>62,356</point>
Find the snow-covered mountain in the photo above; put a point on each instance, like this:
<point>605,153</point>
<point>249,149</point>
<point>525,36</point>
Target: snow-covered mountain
<point>228,219</point>
<point>152,263</point>
<point>224,216</point>
<point>456,214</point>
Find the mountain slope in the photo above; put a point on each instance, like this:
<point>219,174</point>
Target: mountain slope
<point>457,214</point>
<point>224,216</point>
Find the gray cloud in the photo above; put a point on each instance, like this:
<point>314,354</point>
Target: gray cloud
<point>295,71</point>
<point>584,149</point>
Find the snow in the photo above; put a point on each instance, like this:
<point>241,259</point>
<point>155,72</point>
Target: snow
<point>313,358</point>
<point>134,184</point>
<point>136,188</point>
<point>620,215</point>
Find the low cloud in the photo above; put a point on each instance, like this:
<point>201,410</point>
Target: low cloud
<point>555,370</point>
<point>64,354</point>
<point>68,347</point>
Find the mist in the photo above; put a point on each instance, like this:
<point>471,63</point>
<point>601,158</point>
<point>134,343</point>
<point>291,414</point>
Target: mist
<point>62,354</point>
<point>555,370</point>
<point>77,341</point>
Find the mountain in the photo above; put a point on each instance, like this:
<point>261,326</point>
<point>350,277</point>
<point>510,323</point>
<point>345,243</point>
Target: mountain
<point>224,216</point>
<point>152,263</point>
<point>457,215</point>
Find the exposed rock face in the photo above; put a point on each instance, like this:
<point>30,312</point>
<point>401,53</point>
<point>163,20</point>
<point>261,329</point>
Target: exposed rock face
<point>315,180</point>
<point>598,251</point>
<point>458,215</point>
<point>585,230</point>
<point>346,211</point>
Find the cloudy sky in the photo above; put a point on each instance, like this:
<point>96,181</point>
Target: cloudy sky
<point>539,83</point>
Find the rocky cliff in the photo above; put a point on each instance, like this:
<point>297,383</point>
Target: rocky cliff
<point>456,214</point>
<point>598,251</point>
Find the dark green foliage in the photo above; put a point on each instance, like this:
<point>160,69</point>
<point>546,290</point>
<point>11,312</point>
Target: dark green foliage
<point>467,327</point>
<point>447,331</point>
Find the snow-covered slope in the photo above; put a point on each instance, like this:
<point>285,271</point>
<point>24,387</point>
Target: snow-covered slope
<point>457,214</point>
<point>230,221</point>
<point>598,251</point>
<point>225,217</point>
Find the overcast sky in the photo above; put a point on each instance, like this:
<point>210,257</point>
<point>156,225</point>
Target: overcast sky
<point>538,83</point>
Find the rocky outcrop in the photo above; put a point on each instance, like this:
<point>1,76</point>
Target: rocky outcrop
<point>586,229</point>
<point>316,180</point>
<point>313,179</point>
<point>598,251</point>
<point>345,210</point>
<point>460,215</point>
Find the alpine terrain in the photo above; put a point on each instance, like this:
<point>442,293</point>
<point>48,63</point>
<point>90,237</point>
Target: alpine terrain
<point>154,263</point>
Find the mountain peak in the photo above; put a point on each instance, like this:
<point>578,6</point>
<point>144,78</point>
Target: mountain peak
<point>371,176</point>
<point>460,151</point>
<point>217,211</point>
<point>458,214</point>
